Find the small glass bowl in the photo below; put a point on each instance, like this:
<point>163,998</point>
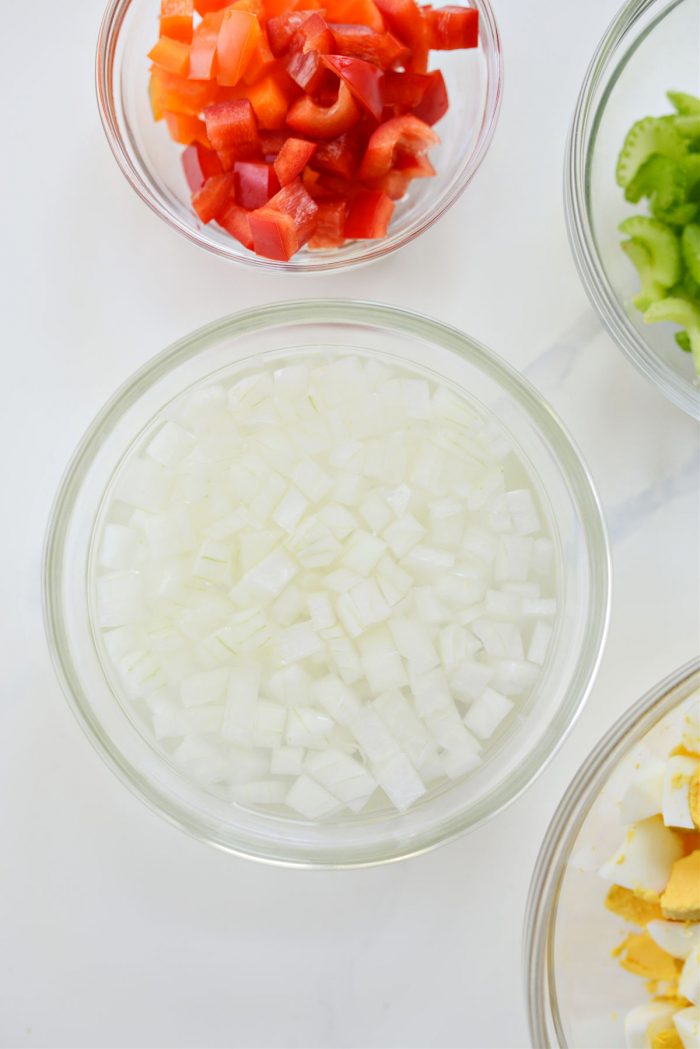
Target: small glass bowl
<point>650,48</point>
<point>266,337</point>
<point>577,994</point>
<point>151,160</point>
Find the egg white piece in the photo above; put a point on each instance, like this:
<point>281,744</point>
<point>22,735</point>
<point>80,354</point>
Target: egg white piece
<point>689,983</point>
<point>644,860</point>
<point>691,726</point>
<point>644,795</point>
<point>645,1021</point>
<point>687,1023</point>
<point>676,791</point>
<point>676,938</point>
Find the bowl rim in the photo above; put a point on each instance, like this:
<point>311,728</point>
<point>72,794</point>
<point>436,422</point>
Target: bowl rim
<point>544,1020</point>
<point>605,63</point>
<point>112,20</point>
<point>569,462</point>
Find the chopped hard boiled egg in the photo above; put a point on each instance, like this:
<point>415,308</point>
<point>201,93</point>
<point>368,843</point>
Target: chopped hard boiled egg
<point>325,586</point>
<point>644,861</point>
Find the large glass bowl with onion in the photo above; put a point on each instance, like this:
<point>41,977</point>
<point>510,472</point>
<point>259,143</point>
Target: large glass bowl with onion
<point>152,162</point>
<point>326,583</point>
<point>650,48</point>
<point>578,993</point>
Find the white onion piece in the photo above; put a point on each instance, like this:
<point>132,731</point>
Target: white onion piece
<point>325,584</point>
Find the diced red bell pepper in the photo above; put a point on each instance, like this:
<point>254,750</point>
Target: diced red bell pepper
<point>186,129</point>
<point>210,200</point>
<point>340,156</point>
<point>176,19</point>
<point>313,35</point>
<point>199,164</point>
<point>359,41</point>
<point>203,63</point>
<point>234,219</point>
<point>306,70</point>
<point>175,94</point>
<point>452,28</point>
<point>205,7</point>
<point>273,234</point>
<point>417,166</point>
<point>355,12</point>
<point>173,55</point>
<point>254,183</point>
<point>269,101</point>
<point>405,134</point>
<point>281,29</point>
<point>395,184</point>
<point>294,201</point>
<point>236,43</point>
<point>434,103</point>
<point>315,121</point>
<point>369,216</point>
<point>336,187</point>
<point>261,61</point>
<point>271,143</point>
<point>406,22</point>
<point>404,89</point>
<point>363,79</point>
<point>231,125</point>
<point>330,225</point>
<point>293,157</point>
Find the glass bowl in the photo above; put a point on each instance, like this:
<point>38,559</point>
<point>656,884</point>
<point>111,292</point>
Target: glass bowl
<point>651,47</point>
<point>151,160</point>
<point>577,993</point>
<point>434,351</point>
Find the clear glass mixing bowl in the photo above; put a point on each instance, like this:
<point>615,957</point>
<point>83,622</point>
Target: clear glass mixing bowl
<point>651,47</point>
<point>577,994</point>
<point>265,336</point>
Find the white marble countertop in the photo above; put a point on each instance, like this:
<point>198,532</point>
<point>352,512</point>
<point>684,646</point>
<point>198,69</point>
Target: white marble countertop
<point>117,929</point>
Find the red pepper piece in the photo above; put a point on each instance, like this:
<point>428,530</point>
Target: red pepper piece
<point>210,200</point>
<point>199,164</point>
<point>369,216</point>
<point>404,89</point>
<point>255,182</point>
<point>234,219</point>
<point>261,61</point>
<point>292,158</point>
<point>363,79</point>
<point>315,121</point>
<point>237,41</point>
<point>231,125</point>
<point>434,103</point>
<point>417,166</point>
<point>359,41</point>
<point>355,12</point>
<point>405,134</point>
<point>271,142</point>
<point>203,65</point>
<point>173,55</point>
<point>294,201</point>
<point>186,129</point>
<point>175,94</point>
<point>176,19</point>
<point>330,225</point>
<point>269,101</point>
<point>273,234</point>
<point>281,29</point>
<point>452,28</point>
<point>406,22</point>
<point>340,156</point>
<point>205,7</point>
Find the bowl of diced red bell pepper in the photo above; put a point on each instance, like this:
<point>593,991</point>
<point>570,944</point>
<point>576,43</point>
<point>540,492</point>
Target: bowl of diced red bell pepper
<point>299,135</point>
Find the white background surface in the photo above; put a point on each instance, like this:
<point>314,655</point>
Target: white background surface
<point>115,928</point>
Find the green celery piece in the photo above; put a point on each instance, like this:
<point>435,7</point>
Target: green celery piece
<point>661,179</point>
<point>683,313</point>
<point>683,340</point>
<point>646,137</point>
<point>687,126</point>
<point>691,167</point>
<point>685,104</point>
<point>640,258</point>
<point>662,244</point>
<point>690,251</point>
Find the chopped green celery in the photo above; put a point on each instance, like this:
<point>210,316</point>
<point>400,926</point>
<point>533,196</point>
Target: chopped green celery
<point>683,340</point>
<point>690,250</point>
<point>662,244</point>
<point>682,103</point>
<point>691,166</point>
<point>682,312</point>
<point>646,137</point>
<point>664,182</point>
<point>640,258</point>
<point>688,126</point>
